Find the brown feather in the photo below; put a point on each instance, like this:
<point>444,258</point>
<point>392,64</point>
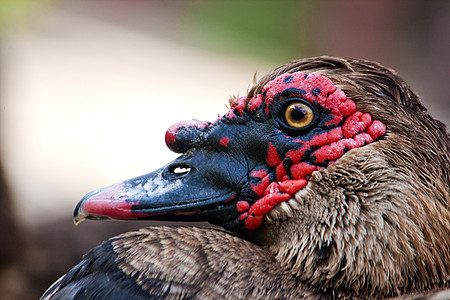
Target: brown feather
<point>382,210</point>
<point>205,264</point>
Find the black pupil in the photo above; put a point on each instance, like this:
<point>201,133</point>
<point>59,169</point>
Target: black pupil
<point>297,114</point>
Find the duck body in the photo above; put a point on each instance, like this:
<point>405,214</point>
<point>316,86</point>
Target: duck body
<point>330,179</point>
<point>118,270</point>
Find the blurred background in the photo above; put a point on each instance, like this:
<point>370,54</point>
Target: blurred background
<point>88,88</point>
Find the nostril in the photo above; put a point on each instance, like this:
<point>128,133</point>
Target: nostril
<point>178,170</point>
<point>181,170</point>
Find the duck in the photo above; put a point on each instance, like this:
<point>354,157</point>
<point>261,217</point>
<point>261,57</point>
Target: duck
<point>328,180</point>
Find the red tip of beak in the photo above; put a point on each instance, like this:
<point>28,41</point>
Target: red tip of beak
<point>110,202</point>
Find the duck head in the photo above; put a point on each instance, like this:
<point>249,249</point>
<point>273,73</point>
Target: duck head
<point>333,165</point>
<point>234,171</point>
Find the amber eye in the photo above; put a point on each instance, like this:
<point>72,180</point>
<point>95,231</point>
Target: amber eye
<point>298,115</point>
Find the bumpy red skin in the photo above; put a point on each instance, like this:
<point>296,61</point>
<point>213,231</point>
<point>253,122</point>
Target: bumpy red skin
<point>353,129</point>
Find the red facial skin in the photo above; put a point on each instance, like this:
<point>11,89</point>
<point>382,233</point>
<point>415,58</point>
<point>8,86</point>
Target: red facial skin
<point>349,129</point>
<point>224,141</point>
<point>357,130</point>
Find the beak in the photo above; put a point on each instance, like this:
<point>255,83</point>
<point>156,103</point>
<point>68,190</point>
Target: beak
<point>182,190</point>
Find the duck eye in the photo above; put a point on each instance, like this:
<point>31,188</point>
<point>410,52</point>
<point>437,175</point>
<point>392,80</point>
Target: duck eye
<point>298,115</point>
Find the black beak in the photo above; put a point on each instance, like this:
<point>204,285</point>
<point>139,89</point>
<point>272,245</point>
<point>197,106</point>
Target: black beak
<point>182,190</point>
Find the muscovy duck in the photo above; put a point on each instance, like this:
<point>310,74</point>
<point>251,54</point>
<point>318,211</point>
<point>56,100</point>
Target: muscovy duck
<point>330,180</point>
